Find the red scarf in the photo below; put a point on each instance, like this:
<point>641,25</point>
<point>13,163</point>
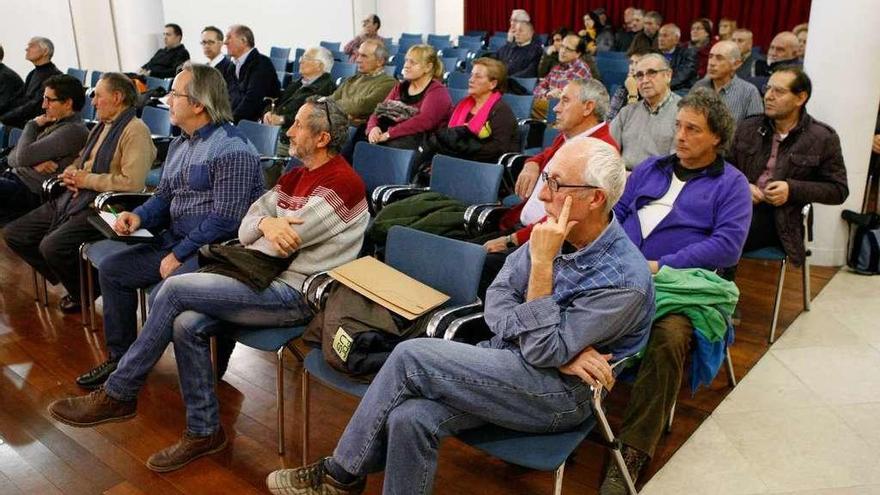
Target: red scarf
<point>459,115</point>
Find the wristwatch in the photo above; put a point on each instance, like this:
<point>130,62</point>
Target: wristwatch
<point>510,242</point>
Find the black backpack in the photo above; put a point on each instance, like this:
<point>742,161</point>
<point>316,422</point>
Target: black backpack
<point>864,252</point>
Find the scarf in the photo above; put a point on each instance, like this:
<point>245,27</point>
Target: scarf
<point>459,115</point>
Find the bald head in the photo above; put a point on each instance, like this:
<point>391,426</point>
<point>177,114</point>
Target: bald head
<point>669,36</point>
<point>783,47</point>
<point>727,49</point>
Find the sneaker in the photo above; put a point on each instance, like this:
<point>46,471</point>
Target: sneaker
<point>310,480</point>
<point>92,409</point>
<point>614,484</point>
<point>186,450</point>
<point>96,376</point>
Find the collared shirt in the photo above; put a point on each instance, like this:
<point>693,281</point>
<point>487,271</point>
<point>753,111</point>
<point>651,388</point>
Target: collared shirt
<point>602,297</point>
<point>742,98</point>
<point>216,60</point>
<point>770,169</point>
<point>239,62</point>
<point>643,131</point>
<point>560,75</point>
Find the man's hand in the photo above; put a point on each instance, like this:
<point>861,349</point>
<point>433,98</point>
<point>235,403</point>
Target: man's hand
<point>279,232</point>
<point>272,119</point>
<point>46,167</point>
<point>126,223</point>
<point>591,367</point>
<point>496,245</point>
<point>547,237</point>
<point>143,72</point>
<point>527,179</point>
<point>875,144</point>
<point>377,136</point>
<point>757,194</point>
<point>632,86</point>
<point>776,192</point>
<point>653,266</point>
<point>168,265</point>
<point>69,178</point>
<point>42,120</point>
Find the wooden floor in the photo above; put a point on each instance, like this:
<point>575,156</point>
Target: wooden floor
<point>42,350</point>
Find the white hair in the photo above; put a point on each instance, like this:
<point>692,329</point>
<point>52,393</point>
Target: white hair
<point>520,15</point>
<point>604,168</point>
<point>322,56</point>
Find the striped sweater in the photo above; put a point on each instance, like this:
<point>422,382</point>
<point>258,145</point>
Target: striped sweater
<point>331,201</point>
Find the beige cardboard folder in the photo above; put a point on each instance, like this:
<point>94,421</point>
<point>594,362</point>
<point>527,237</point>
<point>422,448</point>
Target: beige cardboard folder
<point>388,287</point>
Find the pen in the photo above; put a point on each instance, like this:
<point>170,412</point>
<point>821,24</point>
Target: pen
<point>113,211</point>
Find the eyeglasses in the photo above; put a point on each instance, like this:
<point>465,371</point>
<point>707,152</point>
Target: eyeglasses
<point>326,103</point>
<point>554,184</point>
<point>48,99</point>
<point>776,90</point>
<point>175,94</point>
<point>563,47</point>
<point>209,42</point>
<point>650,74</point>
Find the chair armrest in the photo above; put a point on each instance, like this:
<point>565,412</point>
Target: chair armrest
<point>121,201</point>
<point>470,329</point>
<point>513,166</point>
<point>322,292</point>
<point>52,188</point>
<point>390,194</point>
<point>315,287</point>
<point>441,319</point>
<point>476,218</point>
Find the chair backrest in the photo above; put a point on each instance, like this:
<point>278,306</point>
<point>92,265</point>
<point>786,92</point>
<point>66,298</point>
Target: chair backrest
<point>14,136</point>
<point>2,136</point>
<point>614,67</point>
<point>550,134</point>
<point>263,137</point>
<point>520,104</point>
<point>77,73</point>
<point>298,53</point>
<point>551,114</point>
<point>470,45</point>
<point>343,69</point>
<point>333,46</point>
<point>457,80</point>
<point>96,75</point>
<point>283,78</point>
<point>496,42</point>
<point>476,34</point>
<point>450,266</point>
<point>467,181</point>
<point>411,36</point>
<point>456,94</point>
<point>155,82</point>
<point>381,165</point>
<point>158,120</point>
<point>391,70</point>
<point>528,83</point>
<point>280,64</point>
<point>449,63</point>
<point>88,109</point>
<point>279,52</point>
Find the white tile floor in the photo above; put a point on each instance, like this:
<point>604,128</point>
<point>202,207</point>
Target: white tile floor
<point>806,419</point>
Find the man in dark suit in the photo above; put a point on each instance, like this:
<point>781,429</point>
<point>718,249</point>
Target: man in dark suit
<point>251,77</point>
<point>166,61</point>
<point>212,48</point>
<point>682,59</point>
<point>10,84</point>
<point>749,65</point>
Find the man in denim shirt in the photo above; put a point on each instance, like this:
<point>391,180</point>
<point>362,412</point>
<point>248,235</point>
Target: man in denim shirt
<point>578,284</point>
<point>211,176</point>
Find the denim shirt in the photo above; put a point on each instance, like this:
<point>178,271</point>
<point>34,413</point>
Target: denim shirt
<point>602,296</point>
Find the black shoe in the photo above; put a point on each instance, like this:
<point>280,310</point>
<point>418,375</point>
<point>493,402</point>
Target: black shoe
<point>68,304</point>
<point>96,377</point>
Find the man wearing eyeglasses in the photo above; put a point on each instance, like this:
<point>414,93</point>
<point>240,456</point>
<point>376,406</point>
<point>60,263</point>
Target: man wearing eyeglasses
<point>578,285</point>
<point>646,128</point>
<point>212,48</point>
<point>790,159</point>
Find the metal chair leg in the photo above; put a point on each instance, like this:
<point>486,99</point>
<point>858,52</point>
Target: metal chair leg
<point>212,344</point>
<point>90,281</point>
<point>142,302</point>
<point>279,398</point>
<point>671,416</point>
<point>778,302</point>
<point>45,292</point>
<point>37,297</point>
<point>731,377</point>
<point>557,479</point>
<point>807,292</point>
<point>305,417</point>
<point>608,435</point>
<point>83,286</point>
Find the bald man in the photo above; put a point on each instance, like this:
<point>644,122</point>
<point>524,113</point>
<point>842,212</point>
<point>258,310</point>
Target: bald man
<point>742,98</point>
<point>783,51</point>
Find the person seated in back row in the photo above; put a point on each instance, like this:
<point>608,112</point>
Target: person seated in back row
<point>167,60</point>
<point>522,54</point>
<point>570,67</point>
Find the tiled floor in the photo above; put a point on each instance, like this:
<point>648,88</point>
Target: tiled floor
<point>806,419</point>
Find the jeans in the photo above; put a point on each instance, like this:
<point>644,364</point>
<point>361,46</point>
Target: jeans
<point>187,310</point>
<point>430,388</point>
<point>120,275</point>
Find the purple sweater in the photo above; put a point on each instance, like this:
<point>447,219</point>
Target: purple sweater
<point>709,221</point>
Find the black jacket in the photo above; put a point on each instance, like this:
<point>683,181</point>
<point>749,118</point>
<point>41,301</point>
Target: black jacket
<point>166,61</point>
<point>224,67</point>
<point>684,68</point>
<point>296,94</point>
<point>256,80</point>
<point>749,67</point>
<point>10,86</point>
<point>29,101</point>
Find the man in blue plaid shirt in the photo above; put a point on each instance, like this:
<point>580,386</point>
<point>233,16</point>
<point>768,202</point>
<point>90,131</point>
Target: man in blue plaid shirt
<point>211,176</point>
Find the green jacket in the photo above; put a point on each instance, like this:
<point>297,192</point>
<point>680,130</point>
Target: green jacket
<point>359,95</point>
<point>705,298</point>
<point>429,212</point>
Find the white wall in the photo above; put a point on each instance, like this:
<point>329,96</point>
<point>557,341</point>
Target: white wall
<point>21,20</point>
<point>95,35</point>
<point>139,28</point>
<point>449,17</point>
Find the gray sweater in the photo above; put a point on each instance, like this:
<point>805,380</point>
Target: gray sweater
<point>643,133</point>
<point>60,142</point>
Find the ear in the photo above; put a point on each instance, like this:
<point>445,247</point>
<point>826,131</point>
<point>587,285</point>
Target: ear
<point>589,107</point>
<point>599,199</point>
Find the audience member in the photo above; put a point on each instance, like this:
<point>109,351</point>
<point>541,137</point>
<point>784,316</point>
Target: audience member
<point>686,210</point>
<point>166,61</point>
<point>314,67</point>
<point>49,142</point>
<point>790,159</point>
<point>647,37</point>
<point>521,56</point>
<point>629,91</point>
<point>517,17</point>
<point>783,52</point>
<point>117,156</point>
<point>544,308</point>
<point>251,78</point>
<point>10,85</point>
<point>416,106</point>
<point>742,98</point>
<point>726,28</point>
<point>551,53</point>
<point>743,39</point>
<point>589,32</point>
<point>632,26</point>
<point>313,220</point>
<point>570,67</point>
<point>212,174</point>
<point>28,102</point>
<point>701,43</point>
<point>212,48</point>
<point>369,31</point>
<point>647,128</point>
<point>801,31</point>
<point>682,58</point>
<point>604,31</point>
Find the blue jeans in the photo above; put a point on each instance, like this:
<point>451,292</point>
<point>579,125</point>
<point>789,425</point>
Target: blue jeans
<point>430,388</point>
<point>120,275</point>
<point>187,310</point>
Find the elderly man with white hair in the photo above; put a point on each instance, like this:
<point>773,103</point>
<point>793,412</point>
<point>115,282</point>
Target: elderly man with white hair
<point>517,16</point>
<point>579,287</point>
<point>314,67</point>
<point>783,51</point>
<point>29,102</point>
<point>742,98</point>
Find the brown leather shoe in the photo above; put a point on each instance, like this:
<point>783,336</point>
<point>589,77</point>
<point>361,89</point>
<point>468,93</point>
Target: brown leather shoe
<point>186,450</point>
<point>92,409</point>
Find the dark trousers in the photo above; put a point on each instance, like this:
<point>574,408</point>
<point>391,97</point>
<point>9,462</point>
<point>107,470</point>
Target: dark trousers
<point>762,232</point>
<point>15,197</point>
<point>657,383</point>
<point>53,252</point>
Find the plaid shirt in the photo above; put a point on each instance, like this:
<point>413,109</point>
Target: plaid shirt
<point>560,75</point>
<point>741,97</point>
<point>210,180</point>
